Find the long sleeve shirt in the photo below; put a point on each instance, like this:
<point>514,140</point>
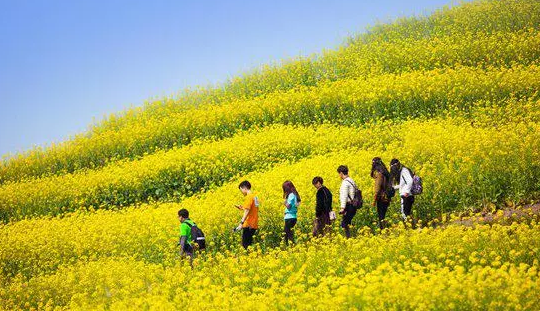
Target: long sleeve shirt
<point>324,201</point>
<point>346,192</point>
<point>405,182</point>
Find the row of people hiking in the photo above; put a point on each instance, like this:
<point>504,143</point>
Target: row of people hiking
<point>386,183</point>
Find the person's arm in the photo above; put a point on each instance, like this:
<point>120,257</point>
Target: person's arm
<point>319,207</point>
<point>290,200</point>
<point>244,217</point>
<point>183,238</point>
<point>328,201</point>
<point>246,207</point>
<point>183,241</point>
<point>343,195</point>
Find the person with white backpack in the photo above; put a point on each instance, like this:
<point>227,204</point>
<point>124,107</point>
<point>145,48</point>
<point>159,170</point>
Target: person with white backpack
<point>408,185</point>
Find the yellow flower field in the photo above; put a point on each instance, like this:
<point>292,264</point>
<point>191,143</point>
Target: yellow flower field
<point>180,172</point>
<point>510,38</point>
<point>91,223</point>
<point>149,232</point>
<point>481,267</point>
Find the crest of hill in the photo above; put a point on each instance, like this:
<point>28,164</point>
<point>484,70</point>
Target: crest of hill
<point>477,34</point>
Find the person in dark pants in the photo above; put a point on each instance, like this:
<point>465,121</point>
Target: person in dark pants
<point>247,237</point>
<point>380,174</point>
<point>323,207</point>
<point>292,200</point>
<point>250,219</point>
<point>346,195</point>
<point>402,179</point>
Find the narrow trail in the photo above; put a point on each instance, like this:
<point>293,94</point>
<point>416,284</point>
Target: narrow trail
<point>519,212</point>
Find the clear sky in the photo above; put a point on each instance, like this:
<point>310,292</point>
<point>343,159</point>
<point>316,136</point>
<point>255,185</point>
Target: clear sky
<point>64,64</point>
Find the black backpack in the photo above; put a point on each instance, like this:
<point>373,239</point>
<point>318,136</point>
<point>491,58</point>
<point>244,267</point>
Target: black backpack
<point>197,235</point>
<point>357,200</point>
<point>389,189</point>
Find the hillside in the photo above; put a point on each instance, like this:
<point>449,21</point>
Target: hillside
<point>91,223</point>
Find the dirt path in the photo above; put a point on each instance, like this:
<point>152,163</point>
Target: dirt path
<point>525,211</point>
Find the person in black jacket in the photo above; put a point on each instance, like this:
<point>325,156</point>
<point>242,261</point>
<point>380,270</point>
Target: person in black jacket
<point>323,207</point>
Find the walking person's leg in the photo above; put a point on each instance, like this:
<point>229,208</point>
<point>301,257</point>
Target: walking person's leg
<point>411,203</point>
<point>403,208</point>
<point>252,233</point>
<point>345,225</point>
<point>316,227</point>
<point>287,231</point>
<point>293,223</point>
<point>289,235</point>
<point>324,224</point>
<point>244,237</point>
<point>189,251</point>
<point>382,208</point>
<point>247,237</point>
<point>347,220</point>
<point>406,207</point>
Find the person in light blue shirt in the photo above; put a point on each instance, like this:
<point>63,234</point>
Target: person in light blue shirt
<point>292,200</point>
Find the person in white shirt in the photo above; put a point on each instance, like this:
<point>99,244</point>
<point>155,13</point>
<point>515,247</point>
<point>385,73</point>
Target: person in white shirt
<point>346,195</point>
<point>402,178</point>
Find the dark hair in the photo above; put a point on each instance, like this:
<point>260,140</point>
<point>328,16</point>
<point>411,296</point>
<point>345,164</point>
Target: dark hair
<point>317,179</point>
<point>395,171</point>
<point>288,188</point>
<point>343,169</point>
<point>245,184</point>
<point>378,165</point>
<point>183,213</point>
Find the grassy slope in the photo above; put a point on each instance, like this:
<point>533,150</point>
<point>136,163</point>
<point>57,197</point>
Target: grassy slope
<point>438,41</point>
<point>61,260</point>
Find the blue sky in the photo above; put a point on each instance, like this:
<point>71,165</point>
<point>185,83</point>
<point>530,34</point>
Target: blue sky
<point>64,64</point>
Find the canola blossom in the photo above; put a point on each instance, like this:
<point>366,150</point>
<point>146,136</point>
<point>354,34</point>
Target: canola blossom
<point>348,102</point>
<point>477,17</point>
<point>91,223</point>
<point>172,174</point>
<point>179,172</point>
<point>516,43</point>
<point>474,268</point>
<point>459,163</point>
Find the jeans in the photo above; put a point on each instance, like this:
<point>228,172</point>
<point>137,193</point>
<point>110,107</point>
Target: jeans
<point>350,211</point>
<point>289,234</point>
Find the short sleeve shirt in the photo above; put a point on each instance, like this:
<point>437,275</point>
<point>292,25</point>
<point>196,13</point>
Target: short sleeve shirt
<point>292,201</point>
<point>185,230</point>
<point>251,203</point>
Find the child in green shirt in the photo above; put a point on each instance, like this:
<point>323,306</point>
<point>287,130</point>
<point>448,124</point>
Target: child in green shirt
<point>186,240</point>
